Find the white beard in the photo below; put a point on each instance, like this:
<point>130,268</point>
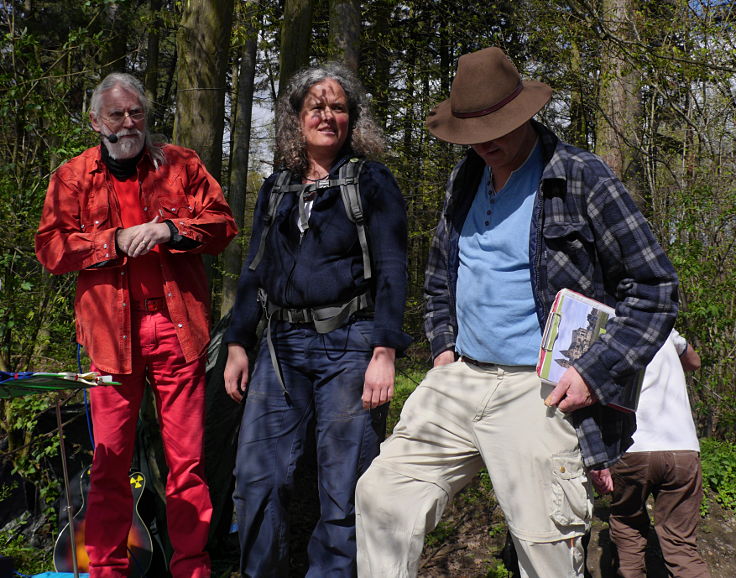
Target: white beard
<point>126,147</point>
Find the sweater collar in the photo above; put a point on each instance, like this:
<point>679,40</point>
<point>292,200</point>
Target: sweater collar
<point>121,169</point>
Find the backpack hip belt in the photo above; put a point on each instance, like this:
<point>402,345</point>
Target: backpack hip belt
<point>325,319</point>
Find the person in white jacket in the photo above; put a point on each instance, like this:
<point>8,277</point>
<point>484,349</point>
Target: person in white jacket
<point>664,461</point>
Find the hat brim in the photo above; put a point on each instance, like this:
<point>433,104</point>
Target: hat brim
<point>479,129</point>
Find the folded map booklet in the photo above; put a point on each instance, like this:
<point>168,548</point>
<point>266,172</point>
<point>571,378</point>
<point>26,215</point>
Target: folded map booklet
<point>574,323</point>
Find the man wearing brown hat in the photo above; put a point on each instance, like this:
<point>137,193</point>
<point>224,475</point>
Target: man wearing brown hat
<point>525,216</point>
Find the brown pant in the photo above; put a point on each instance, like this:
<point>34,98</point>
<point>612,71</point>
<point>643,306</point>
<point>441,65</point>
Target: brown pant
<point>675,480</point>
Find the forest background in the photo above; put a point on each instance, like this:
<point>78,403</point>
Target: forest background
<point>649,85</point>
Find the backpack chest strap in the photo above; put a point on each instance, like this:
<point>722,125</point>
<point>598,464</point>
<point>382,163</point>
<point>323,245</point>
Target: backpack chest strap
<point>348,181</point>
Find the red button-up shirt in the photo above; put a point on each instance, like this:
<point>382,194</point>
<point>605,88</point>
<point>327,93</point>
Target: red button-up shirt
<point>77,233</point>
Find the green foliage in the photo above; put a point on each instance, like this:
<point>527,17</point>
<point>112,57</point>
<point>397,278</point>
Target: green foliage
<point>30,452</point>
<point>26,559</point>
<point>700,220</point>
<point>6,490</point>
<point>42,73</point>
<point>718,459</point>
<point>499,571</point>
<point>440,534</point>
<point>405,383</point>
<point>37,81</point>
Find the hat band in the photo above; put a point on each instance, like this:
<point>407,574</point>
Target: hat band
<point>493,108</point>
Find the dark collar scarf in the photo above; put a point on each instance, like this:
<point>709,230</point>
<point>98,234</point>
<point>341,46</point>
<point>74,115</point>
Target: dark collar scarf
<point>121,169</point>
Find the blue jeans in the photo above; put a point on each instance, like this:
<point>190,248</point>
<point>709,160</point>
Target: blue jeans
<point>324,376</point>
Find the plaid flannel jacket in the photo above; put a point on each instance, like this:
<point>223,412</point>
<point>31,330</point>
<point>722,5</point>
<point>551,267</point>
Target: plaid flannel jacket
<point>586,235</point>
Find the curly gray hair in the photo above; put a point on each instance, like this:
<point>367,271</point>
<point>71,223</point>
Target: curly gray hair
<point>131,84</point>
<point>365,138</point>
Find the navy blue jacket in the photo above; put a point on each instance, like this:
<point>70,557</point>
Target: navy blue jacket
<point>324,266</point>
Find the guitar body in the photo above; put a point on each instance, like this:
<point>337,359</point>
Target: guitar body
<point>140,545</point>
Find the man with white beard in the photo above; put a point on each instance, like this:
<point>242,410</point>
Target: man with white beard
<point>132,217</point>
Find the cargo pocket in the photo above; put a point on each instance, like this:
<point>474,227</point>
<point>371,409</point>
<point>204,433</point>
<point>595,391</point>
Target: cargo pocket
<point>572,503</point>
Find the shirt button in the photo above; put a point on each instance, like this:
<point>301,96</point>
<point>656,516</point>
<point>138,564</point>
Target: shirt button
<point>97,222</point>
<point>179,325</point>
<point>168,294</point>
<point>125,337</point>
<point>107,254</point>
<point>122,272</point>
<point>104,246</point>
<point>562,469</point>
<point>125,304</point>
<point>145,209</point>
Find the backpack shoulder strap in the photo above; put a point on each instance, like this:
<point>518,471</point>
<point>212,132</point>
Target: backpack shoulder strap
<point>350,190</point>
<point>274,199</point>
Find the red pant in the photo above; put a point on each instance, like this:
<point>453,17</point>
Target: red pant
<point>178,387</point>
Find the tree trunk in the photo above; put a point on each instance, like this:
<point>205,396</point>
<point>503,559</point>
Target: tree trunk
<point>296,36</point>
<point>115,49</point>
<point>578,132</point>
<point>202,49</point>
<point>378,58</point>
<point>344,44</point>
<point>202,43</point>
<point>619,111</point>
<point>202,58</point>
<point>152,56</point>
<point>239,158</point>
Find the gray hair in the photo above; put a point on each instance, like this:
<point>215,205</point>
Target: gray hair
<point>131,84</point>
<point>365,138</point>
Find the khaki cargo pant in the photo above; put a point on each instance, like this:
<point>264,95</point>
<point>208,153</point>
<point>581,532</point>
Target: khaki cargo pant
<point>460,417</point>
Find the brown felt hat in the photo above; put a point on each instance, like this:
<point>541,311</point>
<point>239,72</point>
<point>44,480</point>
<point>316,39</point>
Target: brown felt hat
<point>488,100</point>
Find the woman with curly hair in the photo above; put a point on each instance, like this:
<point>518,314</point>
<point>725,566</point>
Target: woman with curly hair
<point>332,306</point>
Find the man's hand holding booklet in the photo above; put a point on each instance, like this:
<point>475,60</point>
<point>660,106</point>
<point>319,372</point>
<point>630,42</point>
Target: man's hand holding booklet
<point>574,323</point>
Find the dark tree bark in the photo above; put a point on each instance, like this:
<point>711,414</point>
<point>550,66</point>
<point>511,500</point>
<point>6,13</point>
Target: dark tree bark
<point>152,55</point>
<point>296,36</point>
<point>578,132</point>
<point>202,47</point>
<point>239,158</point>
<point>115,49</point>
<point>620,110</point>
<point>203,41</point>
<point>377,60</point>
<point>344,43</point>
